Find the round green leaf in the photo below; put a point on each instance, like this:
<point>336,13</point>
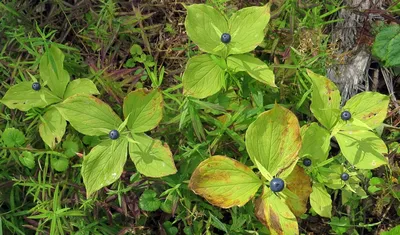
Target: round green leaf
<point>70,148</point>
<point>224,182</point>
<point>27,159</point>
<point>59,163</point>
<point>274,140</point>
<point>202,77</point>
<point>148,201</point>
<point>13,138</point>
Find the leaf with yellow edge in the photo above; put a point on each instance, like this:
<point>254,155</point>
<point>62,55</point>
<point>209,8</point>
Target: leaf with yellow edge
<point>224,182</point>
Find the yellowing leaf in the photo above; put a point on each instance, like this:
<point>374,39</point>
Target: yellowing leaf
<point>274,140</point>
<point>299,183</point>
<point>362,148</point>
<point>144,109</point>
<point>81,86</point>
<point>368,107</point>
<point>325,100</point>
<point>52,127</point>
<point>224,182</point>
<point>151,157</point>
<point>202,77</point>
<point>275,214</point>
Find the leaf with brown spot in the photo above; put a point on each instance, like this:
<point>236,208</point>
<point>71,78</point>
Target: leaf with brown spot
<point>144,109</point>
<point>368,107</point>
<point>224,182</point>
<point>299,183</point>
<point>275,214</point>
<point>274,140</point>
<point>325,100</point>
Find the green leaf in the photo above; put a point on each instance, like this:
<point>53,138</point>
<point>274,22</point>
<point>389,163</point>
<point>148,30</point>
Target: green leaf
<point>104,164</point>
<point>148,201</point>
<point>247,28</point>
<point>316,143</point>
<point>393,231</point>
<point>321,201</point>
<point>387,45</point>
<point>330,176</point>
<point>369,107</point>
<point>136,50</point>
<point>202,77</point>
<point>275,214</point>
<point>274,140</point>
<point>52,71</point>
<point>204,26</point>
<point>224,182</point>
<point>13,138</point>
<point>325,100</point>
<point>70,148</point>
<point>59,163</point>
<point>256,68</point>
<point>81,86</point>
<point>145,109</point>
<point>23,97</point>
<point>151,157</point>
<point>362,148</point>
<point>27,159</point>
<point>89,115</point>
<point>340,225</point>
<point>52,127</point>
<point>299,183</point>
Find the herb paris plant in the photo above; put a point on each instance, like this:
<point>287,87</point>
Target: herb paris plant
<point>104,164</point>
<point>227,42</point>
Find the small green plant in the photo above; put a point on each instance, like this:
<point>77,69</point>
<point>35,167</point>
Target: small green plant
<point>387,44</point>
<point>104,164</point>
<point>227,43</point>
<point>273,141</point>
<point>28,95</point>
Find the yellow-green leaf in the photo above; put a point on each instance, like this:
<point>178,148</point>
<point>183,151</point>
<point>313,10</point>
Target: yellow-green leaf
<point>202,77</point>
<point>151,157</point>
<point>104,164</point>
<point>89,115</point>
<point>224,182</point>
<point>316,143</point>
<point>144,109</point>
<point>275,214</point>
<point>247,28</point>
<point>325,100</point>
<point>362,148</point>
<point>52,127</point>
<point>81,86</point>
<point>23,97</point>
<point>274,140</point>
<point>369,107</point>
<point>321,201</point>
<point>256,68</point>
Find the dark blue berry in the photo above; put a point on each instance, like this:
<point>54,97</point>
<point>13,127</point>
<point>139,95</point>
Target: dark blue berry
<point>307,162</point>
<point>344,176</point>
<point>346,115</point>
<point>36,86</point>
<point>276,185</point>
<point>225,38</point>
<point>114,134</point>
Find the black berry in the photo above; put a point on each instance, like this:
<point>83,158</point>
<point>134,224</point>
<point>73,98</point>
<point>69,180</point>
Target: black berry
<point>36,86</point>
<point>307,162</point>
<point>276,185</point>
<point>225,38</point>
<point>114,134</point>
<point>344,176</point>
<point>346,115</point>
